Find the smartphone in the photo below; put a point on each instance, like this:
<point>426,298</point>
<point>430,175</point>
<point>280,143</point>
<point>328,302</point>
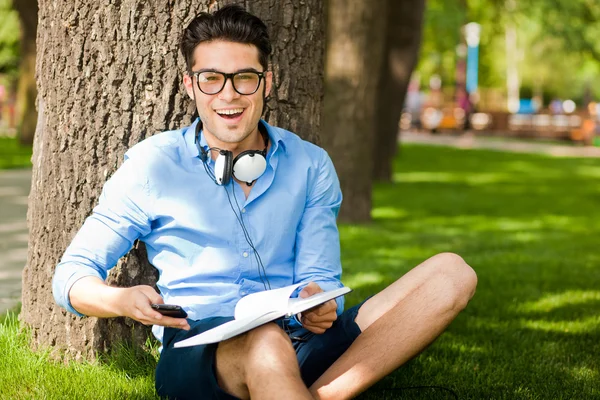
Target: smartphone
<point>170,310</point>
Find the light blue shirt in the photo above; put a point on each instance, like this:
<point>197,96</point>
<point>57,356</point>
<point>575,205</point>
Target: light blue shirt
<point>163,196</point>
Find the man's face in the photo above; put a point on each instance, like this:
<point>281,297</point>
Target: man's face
<point>228,116</point>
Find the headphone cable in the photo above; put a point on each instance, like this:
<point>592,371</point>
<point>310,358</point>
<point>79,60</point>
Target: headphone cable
<point>261,268</point>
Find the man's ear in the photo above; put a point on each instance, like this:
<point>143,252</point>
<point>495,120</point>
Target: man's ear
<point>189,85</point>
<point>268,82</point>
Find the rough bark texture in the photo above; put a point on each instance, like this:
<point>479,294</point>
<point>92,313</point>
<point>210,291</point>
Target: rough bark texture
<point>110,75</point>
<point>402,43</point>
<point>353,58</point>
<point>26,88</point>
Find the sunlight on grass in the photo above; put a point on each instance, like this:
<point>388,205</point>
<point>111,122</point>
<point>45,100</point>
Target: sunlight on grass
<point>589,171</point>
<point>584,374</point>
<point>586,325</point>
<point>551,302</point>
<point>472,179</point>
<point>361,279</point>
<point>388,213</point>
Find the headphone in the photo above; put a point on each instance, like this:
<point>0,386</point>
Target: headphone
<point>247,166</point>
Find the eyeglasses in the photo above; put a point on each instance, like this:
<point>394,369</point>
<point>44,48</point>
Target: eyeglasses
<point>212,82</point>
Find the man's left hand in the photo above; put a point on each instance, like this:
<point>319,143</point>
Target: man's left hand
<point>320,318</point>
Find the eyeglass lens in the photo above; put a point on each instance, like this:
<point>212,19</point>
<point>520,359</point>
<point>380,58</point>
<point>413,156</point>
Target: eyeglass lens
<point>243,82</point>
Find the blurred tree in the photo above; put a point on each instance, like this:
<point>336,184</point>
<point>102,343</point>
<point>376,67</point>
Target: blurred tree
<point>110,75</point>
<point>401,48</point>
<point>9,38</point>
<point>26,87</point>
<point>353,61</point>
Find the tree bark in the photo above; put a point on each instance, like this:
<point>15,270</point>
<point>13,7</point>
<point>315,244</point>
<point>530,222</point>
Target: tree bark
<point>402,43</point>
<point>353,58</point>
<point>110,75</point>
<point>26,88</point>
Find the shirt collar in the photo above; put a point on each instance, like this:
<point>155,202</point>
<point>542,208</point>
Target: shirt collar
<point>190,139</point>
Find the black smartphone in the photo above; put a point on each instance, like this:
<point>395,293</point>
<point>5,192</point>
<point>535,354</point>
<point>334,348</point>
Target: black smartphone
<point>170,310</point>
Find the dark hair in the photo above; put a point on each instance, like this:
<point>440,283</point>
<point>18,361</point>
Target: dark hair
<point>232,23</point>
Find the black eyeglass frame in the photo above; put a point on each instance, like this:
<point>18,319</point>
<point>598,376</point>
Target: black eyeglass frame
<point>261,76</point>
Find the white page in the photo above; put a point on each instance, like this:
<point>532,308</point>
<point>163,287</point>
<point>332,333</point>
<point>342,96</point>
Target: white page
<point>297,305</point>
<point>229,330</point>
<point>257,304</point>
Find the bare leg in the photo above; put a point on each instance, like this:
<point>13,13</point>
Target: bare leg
<point>260,365</point>
<point>398,323</point>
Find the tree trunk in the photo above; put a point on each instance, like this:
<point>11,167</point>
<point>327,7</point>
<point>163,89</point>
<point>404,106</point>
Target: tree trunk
<point>110,74</point>
<point>26,90</point>
<point>402,43</point>
<point>353,58</point>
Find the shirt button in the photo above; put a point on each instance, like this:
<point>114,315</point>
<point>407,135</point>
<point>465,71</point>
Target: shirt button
<point>245,254</point>
<point>243,211</point>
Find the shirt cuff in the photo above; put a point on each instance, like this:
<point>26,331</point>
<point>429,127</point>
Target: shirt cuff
<point>61,286</point>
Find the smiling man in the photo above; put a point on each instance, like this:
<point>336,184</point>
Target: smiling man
<point>231,206</point>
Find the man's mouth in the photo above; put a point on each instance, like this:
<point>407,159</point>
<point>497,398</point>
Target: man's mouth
<point>232,113</point>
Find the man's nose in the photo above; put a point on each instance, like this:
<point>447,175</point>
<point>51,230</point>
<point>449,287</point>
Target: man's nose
<point>228,93</point>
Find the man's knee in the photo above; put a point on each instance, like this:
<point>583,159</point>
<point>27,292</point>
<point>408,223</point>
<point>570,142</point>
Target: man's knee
<point>268,346</point>
<point>262,350</point>
<point>458,279</point>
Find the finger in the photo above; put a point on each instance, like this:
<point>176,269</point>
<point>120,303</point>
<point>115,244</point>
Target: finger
<point>318,328</point>
<point>180,323</point>
<point>323,309</point>
<point>310,289</point>
<point>318,319</point>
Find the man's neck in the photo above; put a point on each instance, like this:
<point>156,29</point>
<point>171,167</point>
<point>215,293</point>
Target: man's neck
<point>254,141</point>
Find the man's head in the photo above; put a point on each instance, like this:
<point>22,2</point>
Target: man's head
<point>232,24</point>
<point>226,55</point>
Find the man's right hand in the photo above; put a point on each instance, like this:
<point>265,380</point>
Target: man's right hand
<point>92,296</point>
<point>136,304</point>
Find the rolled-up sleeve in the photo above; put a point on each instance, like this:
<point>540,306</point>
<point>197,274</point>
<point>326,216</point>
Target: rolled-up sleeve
<point>123,214</point>
<point>317,237</point>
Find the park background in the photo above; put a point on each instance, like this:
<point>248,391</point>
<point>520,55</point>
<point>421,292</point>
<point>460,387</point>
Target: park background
<point>348,74</point>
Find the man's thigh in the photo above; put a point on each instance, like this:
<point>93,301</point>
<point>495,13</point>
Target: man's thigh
<point>316,353</point>
<point>189,372</point>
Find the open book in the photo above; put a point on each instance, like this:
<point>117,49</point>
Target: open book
<point>259,308</point>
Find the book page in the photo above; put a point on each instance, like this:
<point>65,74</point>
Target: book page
<point>257,304</point>
<point>297,305</point>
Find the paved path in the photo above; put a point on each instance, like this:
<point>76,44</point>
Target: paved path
<point>470,140</point>
<point>14,189</point>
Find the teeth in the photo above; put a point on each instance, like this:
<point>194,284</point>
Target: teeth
<point>230,112</point>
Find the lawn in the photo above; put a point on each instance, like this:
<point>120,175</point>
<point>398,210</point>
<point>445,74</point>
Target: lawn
<point>14,155</point>
<point>529,225</point>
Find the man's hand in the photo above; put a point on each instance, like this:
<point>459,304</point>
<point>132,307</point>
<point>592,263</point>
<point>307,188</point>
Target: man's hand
<point>91,296</point>
<point>320,318</point>
<point>136,305</point>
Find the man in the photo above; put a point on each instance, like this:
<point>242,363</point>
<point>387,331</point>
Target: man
<point>231,206</point>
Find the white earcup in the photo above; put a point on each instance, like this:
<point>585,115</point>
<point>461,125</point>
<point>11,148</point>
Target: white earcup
<point>220,168</point>
<point>249,167</point>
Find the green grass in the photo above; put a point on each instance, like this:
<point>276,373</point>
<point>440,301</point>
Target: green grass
<point>529,225</point>
<point>127,374</point>
<point>14,155</point>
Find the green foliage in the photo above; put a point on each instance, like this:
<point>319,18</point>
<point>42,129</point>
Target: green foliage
<point>9,38</point>
<point>558,48</point>
<point>525,223</point>
<point>14,155</point>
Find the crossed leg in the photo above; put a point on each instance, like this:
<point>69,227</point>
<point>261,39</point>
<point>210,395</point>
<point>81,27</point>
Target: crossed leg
<point>396,324</point>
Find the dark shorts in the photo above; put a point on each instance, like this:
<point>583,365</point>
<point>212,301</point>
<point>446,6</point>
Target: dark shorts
<point>189,372</point>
